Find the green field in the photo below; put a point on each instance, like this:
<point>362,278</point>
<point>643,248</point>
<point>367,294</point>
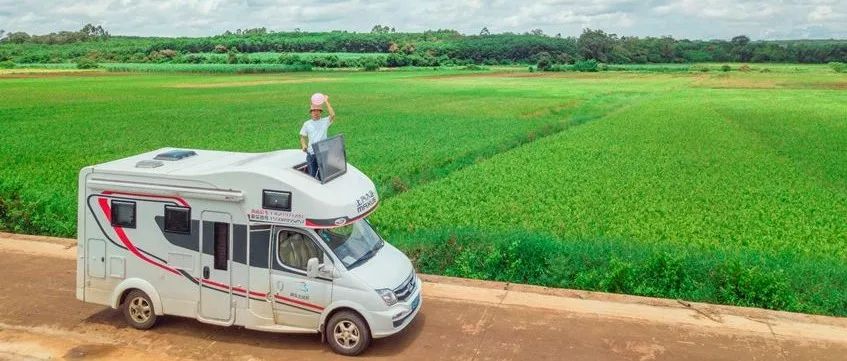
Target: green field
<point>720,187</point>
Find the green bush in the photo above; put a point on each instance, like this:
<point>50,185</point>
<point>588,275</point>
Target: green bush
<point>725,68</point>
<point>753,286</point>
<point>31,216</point>
<point>7,64</point>
<point>370,65</point>
<point>700,67</point>
<point>589,65</point>
<point>86,63</point>
<point>544,62</point>
<point>839,67</point>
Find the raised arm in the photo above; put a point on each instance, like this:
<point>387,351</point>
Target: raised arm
<point>330,110</point>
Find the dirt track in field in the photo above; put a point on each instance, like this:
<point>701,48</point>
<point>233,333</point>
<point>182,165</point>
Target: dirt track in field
<point>460,320</point>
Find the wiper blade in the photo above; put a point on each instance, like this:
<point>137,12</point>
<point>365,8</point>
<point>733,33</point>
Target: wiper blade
<point>368,255</point>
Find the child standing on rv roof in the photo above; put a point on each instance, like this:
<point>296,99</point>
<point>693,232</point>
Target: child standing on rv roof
<point>313,131</point>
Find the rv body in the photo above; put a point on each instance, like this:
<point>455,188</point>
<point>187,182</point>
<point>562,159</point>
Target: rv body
<point>246,239</point>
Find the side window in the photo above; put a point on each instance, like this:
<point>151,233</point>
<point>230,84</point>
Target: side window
<point>221,246</point>
<point>177,219</point>
<point>123,214</point>
<point>295,249</point>
<point>277,200</point>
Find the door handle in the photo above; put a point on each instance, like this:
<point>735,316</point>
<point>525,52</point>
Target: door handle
<point>206,272</point>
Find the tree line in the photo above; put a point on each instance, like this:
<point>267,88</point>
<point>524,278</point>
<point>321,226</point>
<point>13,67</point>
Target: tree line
<point>434,47</point>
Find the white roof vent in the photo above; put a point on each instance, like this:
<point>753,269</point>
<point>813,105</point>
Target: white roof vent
<point>149,164</point>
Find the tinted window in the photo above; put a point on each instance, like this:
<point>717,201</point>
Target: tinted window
<point>123,214</point>
<point>175,155</point>
<point>295,249</point>
<point>276,200</point>
<point>177,219</point>
<point>221,250</point>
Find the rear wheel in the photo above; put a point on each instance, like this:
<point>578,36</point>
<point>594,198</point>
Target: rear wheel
<point>138,310</point>
<point>347,333</point>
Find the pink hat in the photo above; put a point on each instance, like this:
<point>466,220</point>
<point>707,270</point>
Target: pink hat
<point>318,98</point>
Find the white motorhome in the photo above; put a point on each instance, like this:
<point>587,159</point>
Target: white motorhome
<point>247,239</point>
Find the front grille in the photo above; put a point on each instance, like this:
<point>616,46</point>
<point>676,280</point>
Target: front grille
<point>406,288</point>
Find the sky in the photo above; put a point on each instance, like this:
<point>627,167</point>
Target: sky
<point>691,19</point>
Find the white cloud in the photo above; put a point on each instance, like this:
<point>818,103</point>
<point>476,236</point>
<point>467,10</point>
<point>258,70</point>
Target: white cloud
<point>825,13</point>
<point>696,19</point>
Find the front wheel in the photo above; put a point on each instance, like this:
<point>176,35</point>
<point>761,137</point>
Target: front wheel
<point>347,333</point>
<point>138,310</point>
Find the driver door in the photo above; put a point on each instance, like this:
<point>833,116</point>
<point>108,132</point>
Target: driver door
<point>298,300</point>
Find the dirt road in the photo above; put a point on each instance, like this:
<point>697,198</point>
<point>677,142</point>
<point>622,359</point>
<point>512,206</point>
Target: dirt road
<point>461,320</point>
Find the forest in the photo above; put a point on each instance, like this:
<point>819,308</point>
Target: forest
<point>428,48</point>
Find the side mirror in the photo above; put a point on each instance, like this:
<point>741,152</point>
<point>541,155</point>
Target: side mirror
<point>328,270</point>
<point>312,267</point>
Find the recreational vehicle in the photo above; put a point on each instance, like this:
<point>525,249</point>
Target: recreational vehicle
<point>246,239</point>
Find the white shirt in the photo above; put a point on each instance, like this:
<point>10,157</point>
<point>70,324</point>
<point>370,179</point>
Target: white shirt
<point>315,130</point>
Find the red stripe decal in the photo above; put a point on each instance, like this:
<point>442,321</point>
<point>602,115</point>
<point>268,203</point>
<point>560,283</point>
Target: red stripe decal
<point>234,289</point>
<point>104,205</point>
<point>298,302</point>
<point>180,200</point>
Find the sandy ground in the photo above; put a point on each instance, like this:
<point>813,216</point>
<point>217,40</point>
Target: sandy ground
<point>461,320</point>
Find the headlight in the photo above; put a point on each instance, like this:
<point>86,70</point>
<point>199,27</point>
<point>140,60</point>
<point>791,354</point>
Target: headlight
<point>387,296</point>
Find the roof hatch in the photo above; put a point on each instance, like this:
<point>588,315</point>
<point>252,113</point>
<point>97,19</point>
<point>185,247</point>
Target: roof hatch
<point>176,154</point>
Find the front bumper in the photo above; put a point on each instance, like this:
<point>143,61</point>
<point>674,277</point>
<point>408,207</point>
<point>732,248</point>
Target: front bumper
<point>396,318</point>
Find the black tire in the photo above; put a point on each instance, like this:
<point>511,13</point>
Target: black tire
<point>138,310</point>
<point>342,328</point>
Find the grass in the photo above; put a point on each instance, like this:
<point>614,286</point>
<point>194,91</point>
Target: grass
<point>402,128</point>
<point>679,168</point>
<point>206,68</point>
<point>718,187</point>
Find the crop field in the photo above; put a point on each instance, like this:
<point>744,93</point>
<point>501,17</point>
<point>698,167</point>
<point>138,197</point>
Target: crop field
<point>267,56</point>
<point>706,186</point>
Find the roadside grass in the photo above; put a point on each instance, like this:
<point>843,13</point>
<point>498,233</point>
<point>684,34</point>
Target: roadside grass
<point>742,277</point>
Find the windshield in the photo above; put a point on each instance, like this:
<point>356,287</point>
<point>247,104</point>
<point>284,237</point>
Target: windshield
<point>353,244</point>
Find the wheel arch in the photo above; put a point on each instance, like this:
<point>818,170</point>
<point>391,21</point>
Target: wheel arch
<point>342,306</point>
<point>130,284</point>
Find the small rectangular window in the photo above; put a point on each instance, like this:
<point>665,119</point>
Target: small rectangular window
<point>123,214</point>
<point>177,219</point>
<point>221,233</point>
<point>277,200</point>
